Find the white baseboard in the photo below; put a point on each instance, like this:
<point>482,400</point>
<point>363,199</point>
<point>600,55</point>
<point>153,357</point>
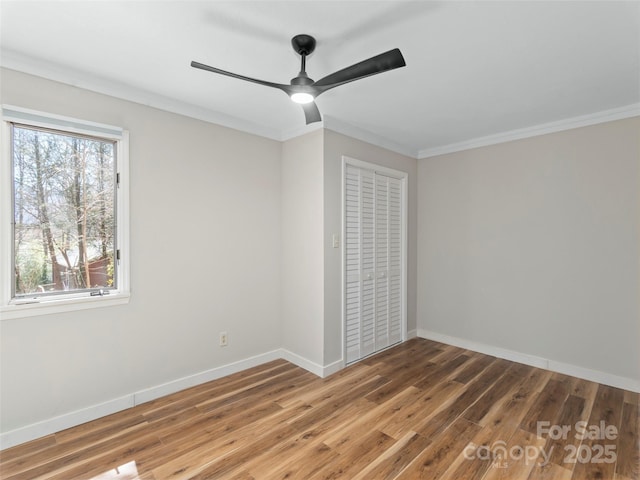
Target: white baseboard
<point>174,386</point>
<point>56,424</point>
<point>319,370</point>
<point>332,368</point>
<point>539,362</point>
<point>301,362</point>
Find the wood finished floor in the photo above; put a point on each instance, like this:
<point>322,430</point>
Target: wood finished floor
<point>419,410</point>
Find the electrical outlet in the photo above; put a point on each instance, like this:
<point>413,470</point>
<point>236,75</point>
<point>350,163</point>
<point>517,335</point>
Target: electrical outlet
<point>224,341</point>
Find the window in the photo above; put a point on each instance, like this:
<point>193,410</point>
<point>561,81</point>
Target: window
<point>64,245</point>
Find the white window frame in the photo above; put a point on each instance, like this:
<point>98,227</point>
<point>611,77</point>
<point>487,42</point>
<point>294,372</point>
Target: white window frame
<point>11,308</point>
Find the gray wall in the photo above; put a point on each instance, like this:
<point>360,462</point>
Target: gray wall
<point>302,255</point>
<point>533,246</point>
<point>205,257</point>
<point>335,146</point>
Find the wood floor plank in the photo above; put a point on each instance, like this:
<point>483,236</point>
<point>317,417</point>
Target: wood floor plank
<point>511,413</point>
<point>323,409</point>
<point>439,371</point>
<point>549,471</point>
<point>546,408</point>
<point>632,397</point>
<point>513,461</point>
<point>118,455</point>
<point>402,378</point>
<point>500,424</point>
<point>395,459</point>
<point>494,394</point>
<point>607,411</point>
<point>476,365</point>
<point>302,465</point>
<point>434,460</point>
<point>428,404</point>
<point>298,446</point>
<point>572,411</point>
<point>448,353</point>
<point>325,388</point>
<point>470,394</point>
<point>25,450</point>
<point>476,457</point>
<point>265,387</point>
<point>356,458</point>
<point>365,417</point>
<point>248,449</point>
<point>628,455</point>
<point>60,457</point>
<point>96,459</point>
<point>101,429</point>
<point>416,410</point>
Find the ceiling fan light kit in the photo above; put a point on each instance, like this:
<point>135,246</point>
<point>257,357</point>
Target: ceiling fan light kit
<point>303,90</point>
<point>302,97</point>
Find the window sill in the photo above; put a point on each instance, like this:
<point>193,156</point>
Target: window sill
<point>50,307</point>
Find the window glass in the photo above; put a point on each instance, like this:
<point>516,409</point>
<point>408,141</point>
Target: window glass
<point>64,212</point>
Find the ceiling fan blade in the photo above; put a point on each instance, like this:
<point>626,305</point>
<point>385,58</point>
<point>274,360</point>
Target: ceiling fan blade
<point>280,86</point>
<point>311,112</point>
<point>378,64</point>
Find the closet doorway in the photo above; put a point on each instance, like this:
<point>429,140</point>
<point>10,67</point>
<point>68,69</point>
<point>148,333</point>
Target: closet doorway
<point>375,258</point>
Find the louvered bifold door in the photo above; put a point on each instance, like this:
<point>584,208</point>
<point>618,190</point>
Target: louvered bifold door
<point>382,262</point>
<point>395,260</point>
<point>373,262</point>
<point>360,262</point>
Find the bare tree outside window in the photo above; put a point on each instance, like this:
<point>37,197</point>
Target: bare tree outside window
<point>64,211</point>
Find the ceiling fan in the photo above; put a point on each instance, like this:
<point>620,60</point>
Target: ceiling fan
<point>304,90</point>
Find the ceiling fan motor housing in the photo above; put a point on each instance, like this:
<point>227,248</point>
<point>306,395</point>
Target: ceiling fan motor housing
<point>303,44</point>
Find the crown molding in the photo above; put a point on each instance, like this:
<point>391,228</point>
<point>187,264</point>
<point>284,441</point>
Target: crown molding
<point>619,113</point>
<point>51,71</point>
<point>332,123</point>
<point>301,130</point>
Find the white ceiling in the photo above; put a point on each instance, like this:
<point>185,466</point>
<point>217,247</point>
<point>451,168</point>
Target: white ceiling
<point>474,69</point>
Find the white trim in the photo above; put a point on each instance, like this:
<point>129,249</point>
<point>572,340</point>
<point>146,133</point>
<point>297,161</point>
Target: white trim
<point>83,415</point>
<point>123,228</point>
<point>43,68</point>
<point>332,368</point>
<point>535,361</point>
<point>6,212</point>
<point>62,422</point>
<point>303,362</point>
<point>343,256</point>
<point>27,307</point>
<point>620,113</point>
<point>157,391</point>
<point>374,167</point>
<point>35,118</point>
<point>69,76</point>
<point>332,123</point>
<point>53,305</point>
<point>300,130</point>
<point>404,178</point>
